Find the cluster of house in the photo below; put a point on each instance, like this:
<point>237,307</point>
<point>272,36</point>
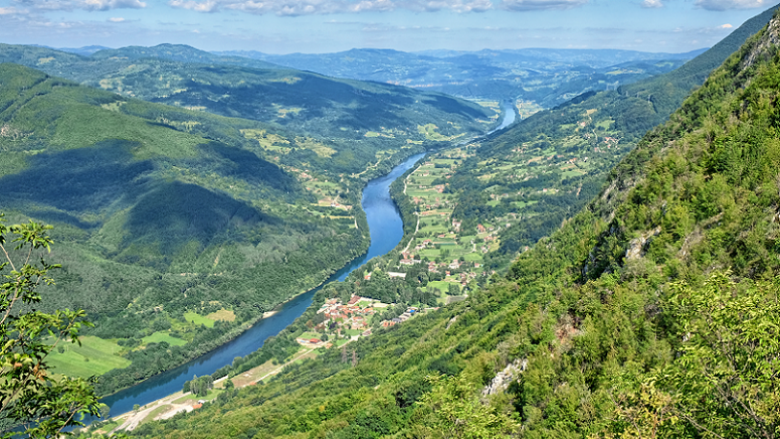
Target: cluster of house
<point>433,267</point>
<point>456,225</point>
<point>408,314</point>
<point>465,277</point>
<point>425,244</point>
<point>346,316</point>
<point>400,319</point>
<point>349,315</point>
<point>435,205</point>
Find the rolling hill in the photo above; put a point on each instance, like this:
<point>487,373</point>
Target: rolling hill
<point>650,313</point>
<point>163,211</point>
<point>546,76</point>
<point>331,110</point>
<point>554,162</point>
<point>184,209</point>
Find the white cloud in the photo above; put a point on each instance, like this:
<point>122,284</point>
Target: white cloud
<point>105,5</point>
<point>531,5</point>
<point>373,6</point>
<point>11,11</point>
<point>725,26</point>
<point>722,5</point>
<point>204,6</point>
<point>652,4</point>
<point>89,5</point>
<point>309,7</point>
<point>116,19</point>
<point>455,5</point>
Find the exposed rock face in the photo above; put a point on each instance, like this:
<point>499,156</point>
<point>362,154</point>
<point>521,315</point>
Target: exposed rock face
<point>452,320</point>
<point>505,377</point>
<point>636,246</point>
<point>767,47</point>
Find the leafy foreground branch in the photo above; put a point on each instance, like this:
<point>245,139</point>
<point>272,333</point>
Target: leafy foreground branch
<point>34,403</point>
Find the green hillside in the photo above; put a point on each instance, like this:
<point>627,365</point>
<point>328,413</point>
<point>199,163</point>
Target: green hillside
<point>181,53</point>
<point>651,313</point>
<point>331,110</point>
<point>554,162</point>
<point>160,211</point>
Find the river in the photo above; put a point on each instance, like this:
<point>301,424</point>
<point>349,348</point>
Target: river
<point>386,229</point>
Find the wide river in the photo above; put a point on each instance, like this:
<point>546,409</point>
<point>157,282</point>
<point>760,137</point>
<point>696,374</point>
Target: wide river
<point>386,229</point>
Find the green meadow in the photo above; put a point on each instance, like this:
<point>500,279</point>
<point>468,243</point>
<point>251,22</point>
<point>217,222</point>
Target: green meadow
<point>95,356</point>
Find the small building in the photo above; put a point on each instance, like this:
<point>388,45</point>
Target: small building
<point>315,341</point>
<point>392,275</point>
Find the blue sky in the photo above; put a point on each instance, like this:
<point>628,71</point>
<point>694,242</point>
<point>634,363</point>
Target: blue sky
<point>315,26</point>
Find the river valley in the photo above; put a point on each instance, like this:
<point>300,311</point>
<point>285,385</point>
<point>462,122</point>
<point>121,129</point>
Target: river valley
<point>386,229</point>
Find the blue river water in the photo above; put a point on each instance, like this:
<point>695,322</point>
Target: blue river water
<point>386,229</point>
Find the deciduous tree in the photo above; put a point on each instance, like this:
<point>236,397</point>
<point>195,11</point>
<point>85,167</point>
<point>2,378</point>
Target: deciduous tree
<point>33,402</point>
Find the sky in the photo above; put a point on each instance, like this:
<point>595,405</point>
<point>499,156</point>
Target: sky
<point>320,26</point>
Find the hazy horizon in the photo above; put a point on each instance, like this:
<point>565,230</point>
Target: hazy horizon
<point>326,26</point>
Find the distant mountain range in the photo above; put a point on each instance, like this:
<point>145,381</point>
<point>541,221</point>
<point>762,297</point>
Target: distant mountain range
<point>305,102</point>
<point>546,76</point>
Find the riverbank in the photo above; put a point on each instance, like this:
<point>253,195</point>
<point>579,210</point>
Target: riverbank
<point>178,402</point>
<point>386,229</point>
<point>378,208</point>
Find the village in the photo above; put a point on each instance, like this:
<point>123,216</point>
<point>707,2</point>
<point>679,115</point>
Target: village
<point>338,323</point>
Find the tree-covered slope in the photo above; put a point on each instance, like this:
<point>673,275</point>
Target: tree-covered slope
<point>651,313</point>
<point>302,102</point>
<point>545,168</point>
<point>181,53</point>
<point>165,211</point>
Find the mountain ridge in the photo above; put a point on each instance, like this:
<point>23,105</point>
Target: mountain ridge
<point>657,321</point>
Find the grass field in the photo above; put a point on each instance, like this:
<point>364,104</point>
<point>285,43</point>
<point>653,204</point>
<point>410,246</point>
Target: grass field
<point>160,336</point>
<point>441,285</point>
<point>309,335</point>
<point>223,314</point>
<point>199,319</point>
<point>95,356</point>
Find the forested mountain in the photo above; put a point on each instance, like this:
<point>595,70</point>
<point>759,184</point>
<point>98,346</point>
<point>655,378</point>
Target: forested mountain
<point>651,313</point>
<point>546,168</point>
<point>546,76</point>
<point>160,218</point>
<point>180,53</point>
<point>302,102</point>
<point>173,214</point>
